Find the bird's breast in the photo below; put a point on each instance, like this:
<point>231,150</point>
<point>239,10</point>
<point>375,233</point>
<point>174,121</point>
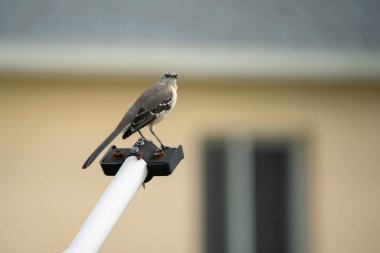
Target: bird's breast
<point>174,97</point>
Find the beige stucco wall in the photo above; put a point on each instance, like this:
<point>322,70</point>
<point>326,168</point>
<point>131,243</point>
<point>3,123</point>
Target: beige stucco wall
<point>49,126</point>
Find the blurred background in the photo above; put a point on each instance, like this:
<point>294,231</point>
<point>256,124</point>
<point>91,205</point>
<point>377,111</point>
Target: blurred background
<point>278,113</point>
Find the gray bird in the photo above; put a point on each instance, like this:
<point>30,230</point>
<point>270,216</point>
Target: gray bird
<point>149,109</point>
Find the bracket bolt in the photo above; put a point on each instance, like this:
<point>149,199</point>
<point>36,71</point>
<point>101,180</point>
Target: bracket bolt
<point>140,142</point>
<point>135,149</point>
<point>159,153</point>
<point>118,154</point>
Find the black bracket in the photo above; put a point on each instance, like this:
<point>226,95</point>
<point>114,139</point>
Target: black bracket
<point>159,163</point>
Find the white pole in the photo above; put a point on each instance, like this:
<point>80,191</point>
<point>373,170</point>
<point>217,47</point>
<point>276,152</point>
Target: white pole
<point>110,207</point>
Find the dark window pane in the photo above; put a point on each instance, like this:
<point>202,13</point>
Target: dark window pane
<point>215,200</point>
<point>271,199</point>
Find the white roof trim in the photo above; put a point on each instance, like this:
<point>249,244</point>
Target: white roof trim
<point>194,61</point>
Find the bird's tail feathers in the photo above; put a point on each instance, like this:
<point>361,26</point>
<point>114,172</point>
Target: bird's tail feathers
<point>99,149</point>
<point>120,127</point>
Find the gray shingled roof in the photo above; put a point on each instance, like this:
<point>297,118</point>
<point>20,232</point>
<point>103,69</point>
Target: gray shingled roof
<point>351,24</point>
<point>193,37</point>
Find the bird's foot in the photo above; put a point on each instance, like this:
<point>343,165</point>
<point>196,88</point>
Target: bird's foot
<point>142,140</point>
<point>163,147</point>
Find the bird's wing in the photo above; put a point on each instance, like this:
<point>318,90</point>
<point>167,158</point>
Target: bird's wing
<point>145,116</point>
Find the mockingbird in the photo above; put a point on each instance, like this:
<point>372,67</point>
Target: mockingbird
<point>149,109</point>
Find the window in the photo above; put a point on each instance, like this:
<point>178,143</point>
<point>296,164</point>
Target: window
<point>254,196</point>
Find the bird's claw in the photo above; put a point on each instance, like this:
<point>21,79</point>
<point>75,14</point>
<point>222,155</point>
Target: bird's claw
<point>163,147</point>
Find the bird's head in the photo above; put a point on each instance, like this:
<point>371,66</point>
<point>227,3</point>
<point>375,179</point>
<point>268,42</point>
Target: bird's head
<point>170,78</point>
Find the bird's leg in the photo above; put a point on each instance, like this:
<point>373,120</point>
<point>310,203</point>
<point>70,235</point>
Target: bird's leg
<point>142,136</point>
<point>162,145</point>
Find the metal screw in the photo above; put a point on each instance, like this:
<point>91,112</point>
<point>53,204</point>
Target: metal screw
<point>134,149</point>
<point>139,155</point>
<point>159,153</point>
<point>118,154</point>
<point>140,142</point>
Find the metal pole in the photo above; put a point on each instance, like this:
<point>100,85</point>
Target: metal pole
<point>110,207</point>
